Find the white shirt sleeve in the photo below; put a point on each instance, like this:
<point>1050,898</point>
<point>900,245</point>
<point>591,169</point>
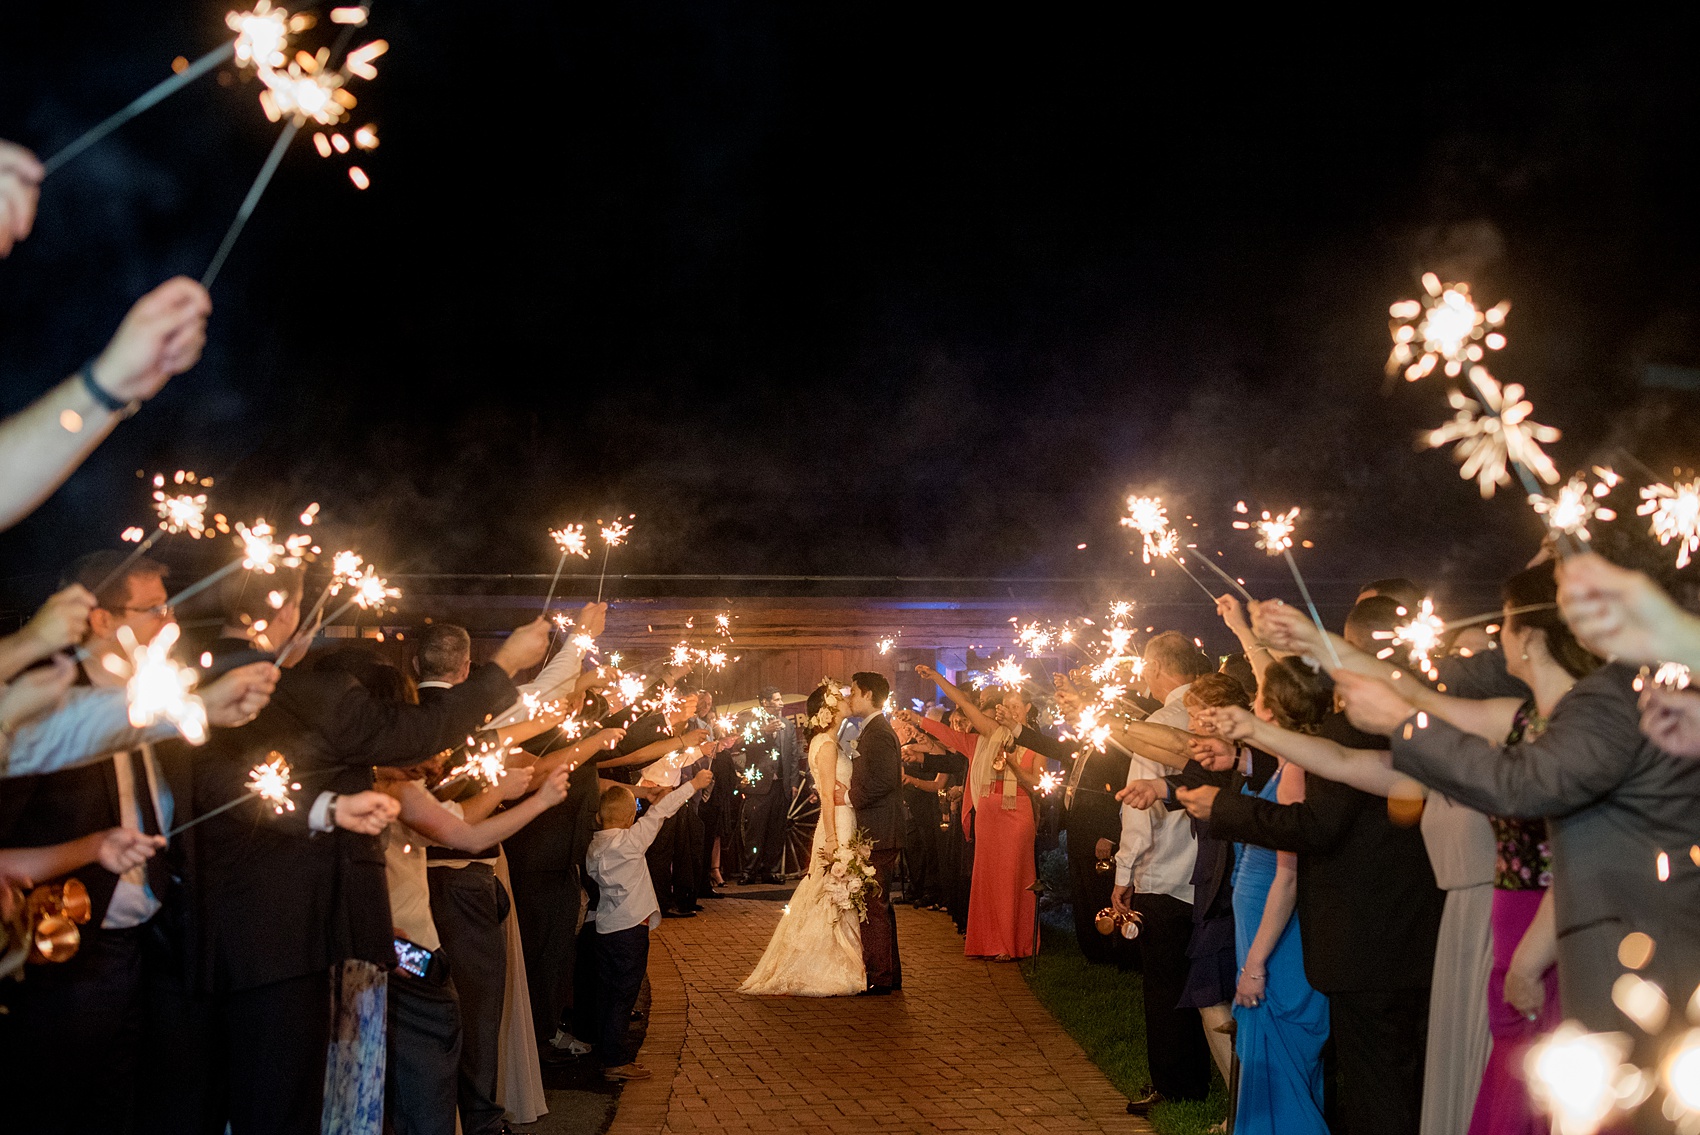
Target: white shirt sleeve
<point>644,831</point>
<point>89,725</point>
<point>1136,831</point>
<point>319,816</point>
<point>551,681</point>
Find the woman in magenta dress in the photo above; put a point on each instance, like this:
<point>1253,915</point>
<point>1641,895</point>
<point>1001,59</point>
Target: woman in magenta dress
<point>997,814</point>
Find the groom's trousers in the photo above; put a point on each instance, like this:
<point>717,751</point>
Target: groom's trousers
<point>879,932</point>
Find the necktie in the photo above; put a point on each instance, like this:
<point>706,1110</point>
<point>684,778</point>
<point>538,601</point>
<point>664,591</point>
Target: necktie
<point>1081,756</point>
<point>141,788</point>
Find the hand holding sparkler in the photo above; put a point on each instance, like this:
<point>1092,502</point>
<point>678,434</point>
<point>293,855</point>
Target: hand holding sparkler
<point>62,622</point>
<point>1372,705</point>
<point>1618,613</point>
<point>36,692</point>
<point>1198,802</point>
<point>366,813</point>
<point>124,848</point>
<point>1671,720</point>
<point>20,189</point>
<point>1229,722</point>
<point>1217,754</point>
<point>161,336</point>
<point>513,783</point>
<point>1143,794</point>
<point>239,696</point>
<point>1286,629</point>
<point>524,648</point>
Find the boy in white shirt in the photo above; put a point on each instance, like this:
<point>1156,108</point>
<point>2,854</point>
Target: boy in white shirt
<point>626,912</point>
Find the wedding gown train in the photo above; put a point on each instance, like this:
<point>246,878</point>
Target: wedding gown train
<point>815,952</point>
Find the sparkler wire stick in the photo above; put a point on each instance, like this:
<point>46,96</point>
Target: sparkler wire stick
<point>157,93</point>
<point>1182,565</point>
<point>1314,617</point>
<point>221,809</point>
<point>1473,620</point>
<point>606,548</point>
<point>255,192</point>
<point>1228,579</point>
<point>199,586</point>
<point>559,567</point>
<point>136,553</point>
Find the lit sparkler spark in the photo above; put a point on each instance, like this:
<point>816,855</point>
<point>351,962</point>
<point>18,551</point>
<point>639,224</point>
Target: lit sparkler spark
<point>1489,442</point>
<point>726,723</point>
<point>1274,532</point>
<point>1121,609</point>
<point>270,781</point>
<point>682,655</point>
<point>613,659</point>
<point>1048,782</point>
<point>345,570</point>
<point>1668,676</point>
<point>585,643</point>
<point>1575,505</point>
<point>631,688</point>
<point>372,591</point>
<point>1009,674</point>
<point>752,775</point>
<point>615,533</point>
<point>1682,1079</point>
<point>180,512</point>
<point>132,535</point>
<point>884,645</point>
<point>571,539</point>
<point>716,659</point>
<point>562,621</point>
<point>263,32</point>
<point>1148,517</point>
<point>306,91</point>
<point>1581,1078</point>
<point>157,687</point>
<point>487,762</point>
<point>723,624</point>
<point>1443,329</point>
<point>259,552</point>
<point>1676,516</point>
<point>1120,639</point>
<point>1420,637</point>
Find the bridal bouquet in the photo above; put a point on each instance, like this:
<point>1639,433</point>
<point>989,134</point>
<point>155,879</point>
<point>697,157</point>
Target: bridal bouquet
<point>848,878</point>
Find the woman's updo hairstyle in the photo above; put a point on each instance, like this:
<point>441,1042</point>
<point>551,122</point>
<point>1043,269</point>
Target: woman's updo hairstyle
<point>1533,587</point>
<point>822,705</point>
<point>1297,697</point>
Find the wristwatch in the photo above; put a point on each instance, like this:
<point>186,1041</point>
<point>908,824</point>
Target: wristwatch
<point>330,808</point>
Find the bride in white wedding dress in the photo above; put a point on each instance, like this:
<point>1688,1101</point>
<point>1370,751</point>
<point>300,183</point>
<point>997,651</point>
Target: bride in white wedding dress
<point>817,949</point>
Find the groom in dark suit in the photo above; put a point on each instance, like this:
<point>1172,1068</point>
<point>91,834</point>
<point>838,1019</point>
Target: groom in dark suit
<point>876,792</point>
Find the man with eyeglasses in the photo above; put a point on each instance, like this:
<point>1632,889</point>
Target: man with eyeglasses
<point>85,1014</point>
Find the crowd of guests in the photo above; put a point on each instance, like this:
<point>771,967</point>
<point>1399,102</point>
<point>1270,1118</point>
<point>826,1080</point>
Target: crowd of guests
<point>1359,887</point>
<point>1364,887</point>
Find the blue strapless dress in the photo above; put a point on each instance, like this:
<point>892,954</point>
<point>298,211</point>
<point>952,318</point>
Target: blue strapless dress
<point>1279,1043</point>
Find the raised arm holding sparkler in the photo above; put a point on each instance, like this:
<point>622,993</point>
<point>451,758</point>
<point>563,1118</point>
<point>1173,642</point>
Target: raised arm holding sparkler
<point>40,445</point>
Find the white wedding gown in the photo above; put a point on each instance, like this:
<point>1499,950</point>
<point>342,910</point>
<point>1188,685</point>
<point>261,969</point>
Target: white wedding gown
<point>816,952</point>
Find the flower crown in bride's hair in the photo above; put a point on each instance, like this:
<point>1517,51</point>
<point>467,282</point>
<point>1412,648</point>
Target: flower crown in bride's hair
<point>831,699</point>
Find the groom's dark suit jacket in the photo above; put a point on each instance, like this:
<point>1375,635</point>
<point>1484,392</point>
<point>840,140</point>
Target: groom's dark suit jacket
<point>876,784</point>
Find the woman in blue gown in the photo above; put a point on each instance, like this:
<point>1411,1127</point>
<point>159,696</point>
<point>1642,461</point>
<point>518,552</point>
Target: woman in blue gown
<point>1281,1022</point>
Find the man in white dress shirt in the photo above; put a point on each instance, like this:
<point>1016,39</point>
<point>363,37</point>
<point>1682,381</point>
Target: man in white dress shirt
<point>1154,877</point>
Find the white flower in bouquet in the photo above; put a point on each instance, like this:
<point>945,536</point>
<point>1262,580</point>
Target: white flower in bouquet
<point>838,870</point>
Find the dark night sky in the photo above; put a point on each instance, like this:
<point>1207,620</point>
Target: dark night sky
<point>824,288</point>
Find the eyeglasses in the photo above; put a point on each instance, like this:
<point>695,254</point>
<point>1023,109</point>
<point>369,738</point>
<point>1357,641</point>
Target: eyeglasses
<point>161,611</point>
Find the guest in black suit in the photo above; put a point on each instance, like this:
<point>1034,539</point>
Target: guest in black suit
<point>239,1013</point>
<point>769,783</point>
<point>1369,915</point>
<point>876,792</point>
<point>64,1017</point>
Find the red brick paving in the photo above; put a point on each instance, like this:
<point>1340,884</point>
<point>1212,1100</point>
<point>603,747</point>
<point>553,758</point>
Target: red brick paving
<point>964,1048</point>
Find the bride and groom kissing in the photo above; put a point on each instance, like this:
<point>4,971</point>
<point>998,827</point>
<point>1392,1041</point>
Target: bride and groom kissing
<point>837,940</point>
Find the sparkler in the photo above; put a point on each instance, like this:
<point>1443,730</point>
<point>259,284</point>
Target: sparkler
<point>1443,329</point>
<point>1675,512</point>
<point>1048,782</point>
<point>149,98</point>
<point>1668,676</point>
<point>885,645</point>
<point>1009,674</point>
<point>1581,1078</point>
<point>1567,514</point>
<point>1495,435</point>
<point>486,761</point>
<point>613,535</point>
<point>271,781</point>
<point>178,512</point>
<point>259,553</point>
<point>157,687</point>
<point>305,89</point>
<point>1148,517</point>
<point>571,541</point>
<point>1420,637</point>
<point>1275,536</point>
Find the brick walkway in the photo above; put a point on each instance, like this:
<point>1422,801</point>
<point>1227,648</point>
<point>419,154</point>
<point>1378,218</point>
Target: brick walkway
<point>965,1048</point>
